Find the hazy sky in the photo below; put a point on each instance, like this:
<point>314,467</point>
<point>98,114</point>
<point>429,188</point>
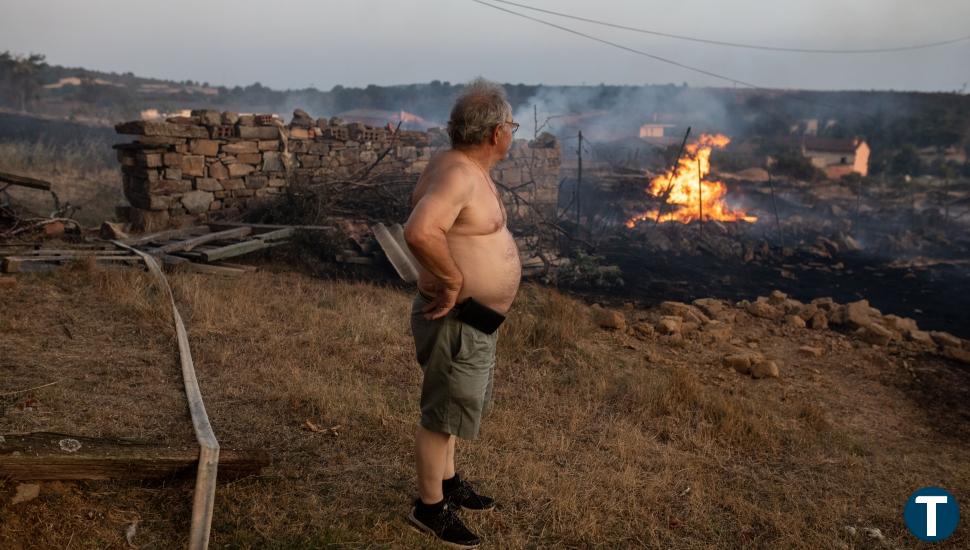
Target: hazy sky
<point>300,43</point>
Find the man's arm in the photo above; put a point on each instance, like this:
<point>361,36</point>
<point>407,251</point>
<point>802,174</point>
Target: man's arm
<point>425,232</point>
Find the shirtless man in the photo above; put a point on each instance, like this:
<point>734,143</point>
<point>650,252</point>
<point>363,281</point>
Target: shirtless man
<point>457,231</point>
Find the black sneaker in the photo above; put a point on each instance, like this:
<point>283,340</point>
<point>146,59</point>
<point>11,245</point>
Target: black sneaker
<point>460,493</point>
<point>444,525</point>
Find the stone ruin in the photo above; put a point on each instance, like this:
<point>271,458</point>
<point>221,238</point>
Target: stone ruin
<point>215,165</point>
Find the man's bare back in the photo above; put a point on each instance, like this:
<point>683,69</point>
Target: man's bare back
<point>480,243</point>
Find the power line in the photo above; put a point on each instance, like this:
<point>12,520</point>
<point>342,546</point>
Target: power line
<point>740,44</point>
<point>620,46</point>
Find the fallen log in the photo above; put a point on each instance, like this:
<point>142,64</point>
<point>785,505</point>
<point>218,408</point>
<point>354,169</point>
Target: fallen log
<point>23,181</point>
<point>49,456</point>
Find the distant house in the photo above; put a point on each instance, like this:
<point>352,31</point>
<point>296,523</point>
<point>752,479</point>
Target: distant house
<point>836,157</point>
<point>663,129</point>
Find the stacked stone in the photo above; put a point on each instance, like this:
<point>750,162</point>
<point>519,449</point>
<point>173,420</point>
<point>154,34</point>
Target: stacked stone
<point>189,169</point>
<point>532,170</point>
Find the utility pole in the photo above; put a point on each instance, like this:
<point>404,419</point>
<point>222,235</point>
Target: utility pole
<point>579,176</point>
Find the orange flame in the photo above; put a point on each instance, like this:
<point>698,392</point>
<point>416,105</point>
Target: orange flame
<point>687,200</point>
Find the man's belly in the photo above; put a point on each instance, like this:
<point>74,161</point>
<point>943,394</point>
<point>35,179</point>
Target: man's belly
<point>489,265</point>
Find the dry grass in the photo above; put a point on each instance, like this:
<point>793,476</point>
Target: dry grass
<point>595,438</point>
<point>79,174</point>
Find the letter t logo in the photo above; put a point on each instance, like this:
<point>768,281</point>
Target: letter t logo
<point>930,502</point>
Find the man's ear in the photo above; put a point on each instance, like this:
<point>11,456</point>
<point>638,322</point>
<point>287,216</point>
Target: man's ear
<point>495,134</point>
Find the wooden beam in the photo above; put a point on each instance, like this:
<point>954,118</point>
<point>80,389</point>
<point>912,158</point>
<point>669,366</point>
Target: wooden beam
<point>23,181</point>
<point>258,242</point>
<point>193,242</point>
<point>15,264</point>
<point>45,456</point>
<point>166,235</point>
<point>269,226</point>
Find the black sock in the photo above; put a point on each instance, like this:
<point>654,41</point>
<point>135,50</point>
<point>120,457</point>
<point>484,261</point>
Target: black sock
<point>450,484</point>
<point>430,508</point>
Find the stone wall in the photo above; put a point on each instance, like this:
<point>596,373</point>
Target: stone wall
<point>215,165</point>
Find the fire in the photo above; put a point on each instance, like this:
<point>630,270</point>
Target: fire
<point>687,201</point>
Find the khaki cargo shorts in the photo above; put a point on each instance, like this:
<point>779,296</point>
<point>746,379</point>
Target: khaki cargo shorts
<point>458,362</point>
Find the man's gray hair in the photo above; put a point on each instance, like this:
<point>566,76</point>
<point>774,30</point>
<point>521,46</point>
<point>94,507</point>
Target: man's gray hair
<point>480,107</point>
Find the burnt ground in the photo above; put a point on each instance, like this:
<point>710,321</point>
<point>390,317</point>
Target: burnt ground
<point>931,295</point>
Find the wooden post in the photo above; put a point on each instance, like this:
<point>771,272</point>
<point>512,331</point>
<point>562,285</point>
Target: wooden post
<point>673,173</point>
<point>774,206</point>
<point>579,177</point>
<point>700,200</point>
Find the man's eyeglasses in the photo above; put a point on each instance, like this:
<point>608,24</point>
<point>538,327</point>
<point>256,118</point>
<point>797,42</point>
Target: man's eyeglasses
<point>513,126</point>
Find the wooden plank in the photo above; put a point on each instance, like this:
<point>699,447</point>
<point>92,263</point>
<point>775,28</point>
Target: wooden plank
<point>45,456</point>
<point>166,235</point>
<point>23,181</point>
<point>204,495</point>
<point>213,269</point>
<point>400,260</point>
<point>193,242</point>
<point>15,264</point>
<point>258,242</point>
<point>217,226</point>
<point>71,252</point>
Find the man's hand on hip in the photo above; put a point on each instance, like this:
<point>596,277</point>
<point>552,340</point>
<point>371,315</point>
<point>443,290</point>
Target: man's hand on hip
<point>446,295</point>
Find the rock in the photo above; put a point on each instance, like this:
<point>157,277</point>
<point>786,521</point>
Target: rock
<point>819,321</point>
<point>193,165</point>
<point>810,351</point>
<point>764,310</point>
<point>794,321</point>
<point>825,303</point>
<point>301,119</point>
<point>945,339</point>
<point>957,354</point>
<point>718,331</point>
<point>204,147</point>
<point>229,117</point>
<point>240,147</point>
<point>54,229</point>
<point>807,311</point>
<point>777,297</point>
<point>197,202</point>
<point>643,329</point>
<point>872,532</point>
<point>687,313</point>
<point>901,325</point>
<point>26,492</point>
<point>207,184</point>
<point>764,369</point>
<point>860,314</point>
<point>920,337</point>
<point>711,306</point>
<point>271,162</point>
<point>608,318</point>
<point>239,169</point>
<point>668,324</point>
<point>741,362</point>
<point>875,334</point>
